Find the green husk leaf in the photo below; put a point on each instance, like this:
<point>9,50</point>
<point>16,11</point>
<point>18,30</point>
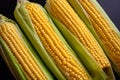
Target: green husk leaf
<point>85,57</point>
<point>83,15</point>
<point>23,19</point>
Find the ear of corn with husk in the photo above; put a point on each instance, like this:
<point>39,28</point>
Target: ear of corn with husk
<point>64,13</point>
<point>48,42</point>
<point>18,54</point>
<point>86,58</point>
<point>27,27</point>
<point>105,29</point>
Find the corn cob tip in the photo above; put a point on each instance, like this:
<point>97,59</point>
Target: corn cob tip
<point>3,18</point>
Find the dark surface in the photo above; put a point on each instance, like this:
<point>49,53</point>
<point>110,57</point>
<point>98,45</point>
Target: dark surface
<point>7,8</point>
<point>112,8</point>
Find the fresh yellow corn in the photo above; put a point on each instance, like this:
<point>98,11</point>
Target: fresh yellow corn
<point>107,34</point>
<point>63,12</point>
<point>55,47</point>
<point>17,46</point>
<point>11,37</point>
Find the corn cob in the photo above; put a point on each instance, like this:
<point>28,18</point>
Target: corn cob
<point>63,12</point>
<point>16,51</point>
<point>82,14</point>
<point>103,27</point>
<point>52,45</point>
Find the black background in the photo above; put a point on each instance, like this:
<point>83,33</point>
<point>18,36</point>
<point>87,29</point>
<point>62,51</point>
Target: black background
<point>7,7</point>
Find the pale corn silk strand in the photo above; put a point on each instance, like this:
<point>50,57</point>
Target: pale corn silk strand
<point>108,36</point>
<point>62,11</point>
<point>14,41</point>
<point>52,43</point>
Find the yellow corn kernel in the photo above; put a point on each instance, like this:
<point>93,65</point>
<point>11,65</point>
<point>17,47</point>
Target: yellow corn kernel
<point>63,12</point>
<point>107,35</point>
<point>66,63</point>
<point>15,43</point>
